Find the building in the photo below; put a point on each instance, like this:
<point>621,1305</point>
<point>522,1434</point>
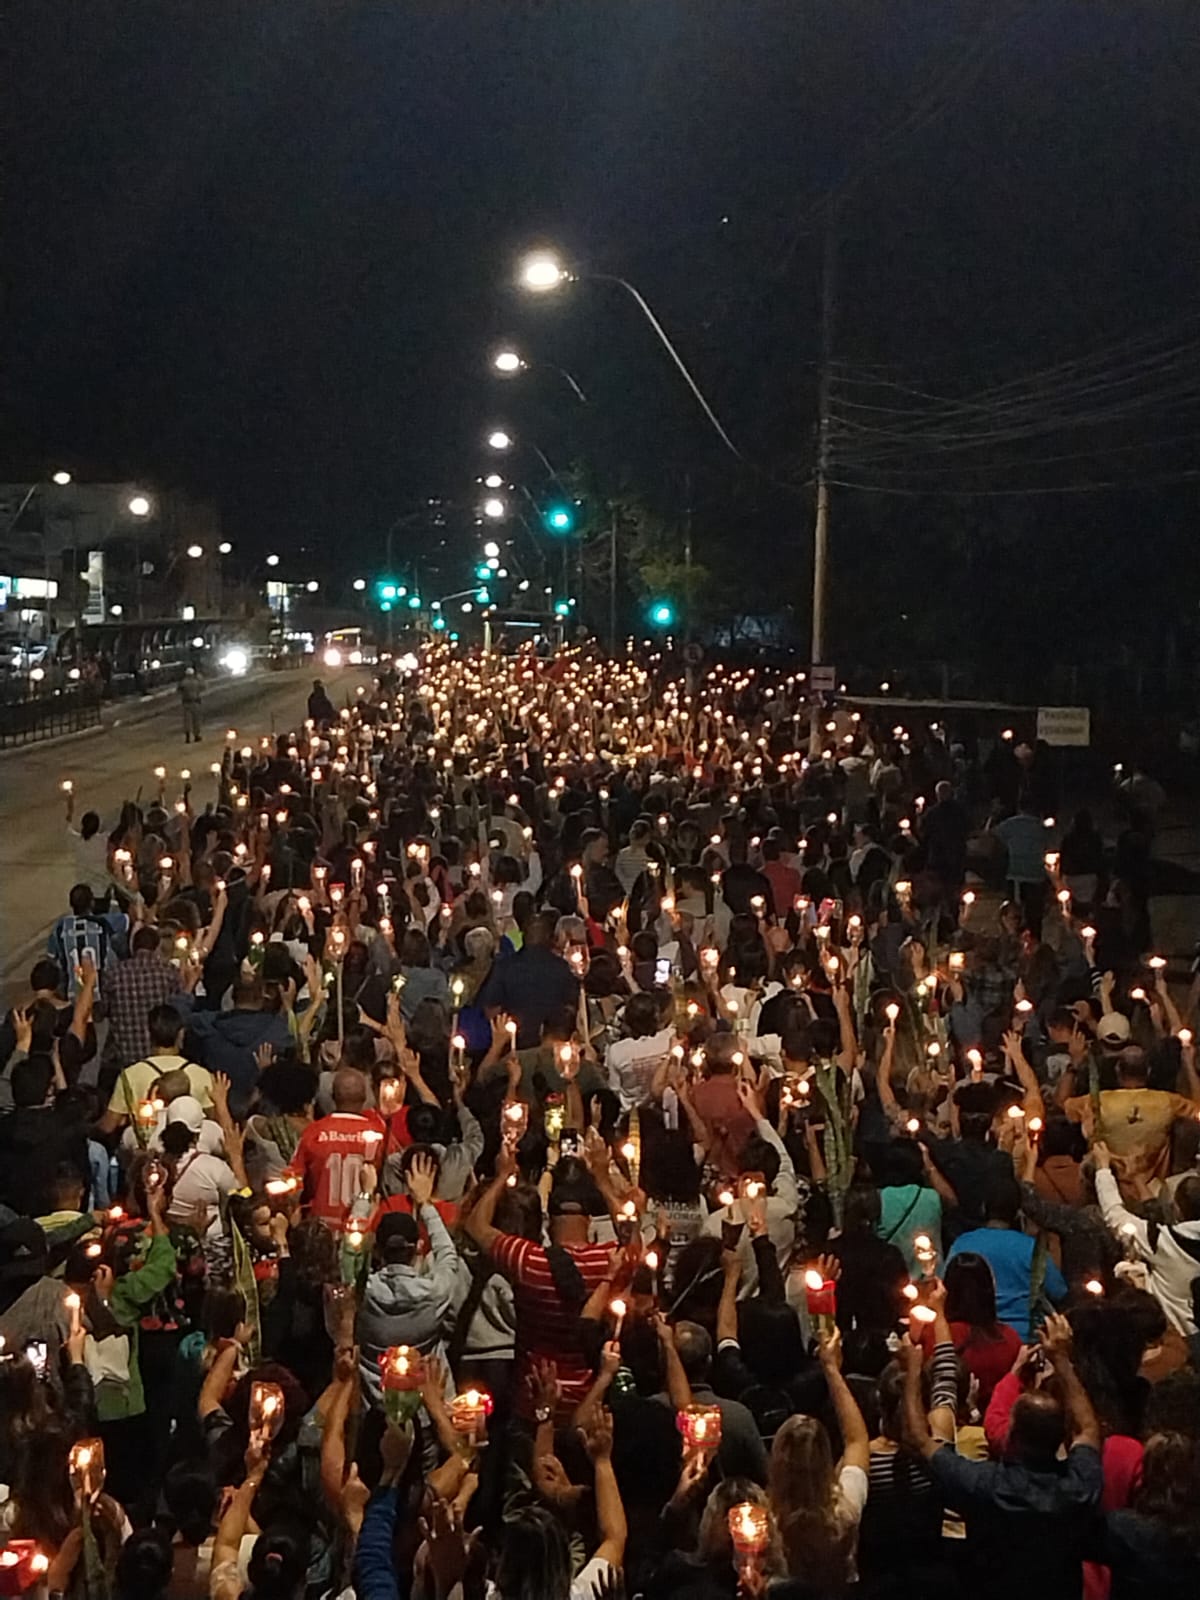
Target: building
<point>72,553</point>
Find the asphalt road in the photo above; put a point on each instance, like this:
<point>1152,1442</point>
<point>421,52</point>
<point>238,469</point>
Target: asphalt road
<point>107,767</point>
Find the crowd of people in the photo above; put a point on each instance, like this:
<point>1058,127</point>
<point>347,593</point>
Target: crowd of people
<point>545,1130</point>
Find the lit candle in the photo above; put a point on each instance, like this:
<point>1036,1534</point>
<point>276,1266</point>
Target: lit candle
<point>266,1408</point>
<point>700,1426</point>
<point>749,1531</point>
<point>469,1412</point>
<point>85,1466</point>
<point>617,1308</point>
<point>821,1297</point>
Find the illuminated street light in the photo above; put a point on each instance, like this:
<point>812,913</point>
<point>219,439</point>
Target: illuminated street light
<point>272,561</point>
<point>541,271</point>
<point>507,361</point>
<point>493,481</point>
<point>224,548</point>
<point>499,440</point>
<point>62,479</point>
<point>312,586</point>
<point>491,548</point>
<point>195,551</point>
<point>116,611</point>
<point>360,584</point>
<point>493,508</point>
<point>139,506</point>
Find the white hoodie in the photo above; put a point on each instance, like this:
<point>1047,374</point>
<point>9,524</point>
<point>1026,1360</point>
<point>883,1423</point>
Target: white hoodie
<point>1172,1267</point>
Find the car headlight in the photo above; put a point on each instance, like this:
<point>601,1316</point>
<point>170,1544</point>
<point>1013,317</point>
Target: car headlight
<point>332,657</point>
<point>235,661</point>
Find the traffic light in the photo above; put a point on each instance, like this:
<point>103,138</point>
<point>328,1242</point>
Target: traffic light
<point>414,602</point>
<point>662,613</point>
<point>439,622</point>
<point>483,572</point>
<point>562,608</point>
<point>560,516</point>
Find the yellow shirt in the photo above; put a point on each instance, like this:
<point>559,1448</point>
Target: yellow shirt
<point>1136,1126</point>
<point>143,1075</point>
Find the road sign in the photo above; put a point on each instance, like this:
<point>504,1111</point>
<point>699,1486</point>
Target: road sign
<point>823,679</point>
<point>1064,725</point>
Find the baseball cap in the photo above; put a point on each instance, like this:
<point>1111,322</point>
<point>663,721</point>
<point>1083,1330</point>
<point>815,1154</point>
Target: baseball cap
<point>397,1225</point>
<point>1113,1028</point>
<point>187,1109</point>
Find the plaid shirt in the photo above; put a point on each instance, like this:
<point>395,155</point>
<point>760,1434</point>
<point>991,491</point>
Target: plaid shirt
<point>991,987</point>
<point>131,989</point>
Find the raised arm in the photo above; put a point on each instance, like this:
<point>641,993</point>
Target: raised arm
<point>479,1224</point>
<point>845,1016</point>
<point>1056,1340</point>
<point>856,1441</point>
<point>610,1512</point>
<point>1015,1052</point>
<point>883,1076</point>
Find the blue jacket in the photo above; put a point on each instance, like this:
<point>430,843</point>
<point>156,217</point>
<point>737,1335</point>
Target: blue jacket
<point>225,1041</point>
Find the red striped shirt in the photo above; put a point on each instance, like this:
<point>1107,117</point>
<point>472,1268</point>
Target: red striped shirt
<point>548,1330</point>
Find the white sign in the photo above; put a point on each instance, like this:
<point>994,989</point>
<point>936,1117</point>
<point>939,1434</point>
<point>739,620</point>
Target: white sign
<point>1064,725</point>
<point>823,679</point>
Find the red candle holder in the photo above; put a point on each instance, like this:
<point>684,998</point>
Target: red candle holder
<point>821,1297</point>
<point>700,1427</point>
<point>749,1531</point>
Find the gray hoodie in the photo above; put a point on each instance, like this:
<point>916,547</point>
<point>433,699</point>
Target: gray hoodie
<point>410,1305</point>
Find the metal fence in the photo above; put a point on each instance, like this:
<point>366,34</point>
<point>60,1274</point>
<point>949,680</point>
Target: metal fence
<point>27,715</point>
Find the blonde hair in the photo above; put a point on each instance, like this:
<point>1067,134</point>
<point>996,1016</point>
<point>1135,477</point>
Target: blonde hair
<point>817,1539</point>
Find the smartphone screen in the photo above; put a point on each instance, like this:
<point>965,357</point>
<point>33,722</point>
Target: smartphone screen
<point>662,971</point>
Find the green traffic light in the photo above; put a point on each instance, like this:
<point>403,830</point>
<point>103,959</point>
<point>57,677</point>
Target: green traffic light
<point>560,518</point>
<point>662,614</point>
<point>439,622</point>
<point>414,602</point>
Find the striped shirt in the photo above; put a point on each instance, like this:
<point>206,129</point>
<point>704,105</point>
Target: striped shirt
<point>548,1329</point>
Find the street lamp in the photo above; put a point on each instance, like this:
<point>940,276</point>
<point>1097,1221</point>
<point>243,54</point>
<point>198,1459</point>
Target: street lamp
<point>360,584</point>
<point>494,508</point>
<point>139,506</point>
<point>195,551</point>
<point>508,363</point>
<point>491,548</point>
<point>224,548</point>
<point>541,271</point>
<point>272,561</point>
<point>62,479</point>
<point>493,481</point>
<point>499,440</point>
<point>312,586</point>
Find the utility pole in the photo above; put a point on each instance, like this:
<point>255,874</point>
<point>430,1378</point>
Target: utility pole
<point>686,630</point>
<point>612,577</point>
<point>821,521</point>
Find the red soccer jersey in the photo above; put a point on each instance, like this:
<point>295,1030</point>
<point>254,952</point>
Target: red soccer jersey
<point>330,1158</point>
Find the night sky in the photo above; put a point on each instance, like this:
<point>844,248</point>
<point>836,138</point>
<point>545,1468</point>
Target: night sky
<point>261,250</point>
